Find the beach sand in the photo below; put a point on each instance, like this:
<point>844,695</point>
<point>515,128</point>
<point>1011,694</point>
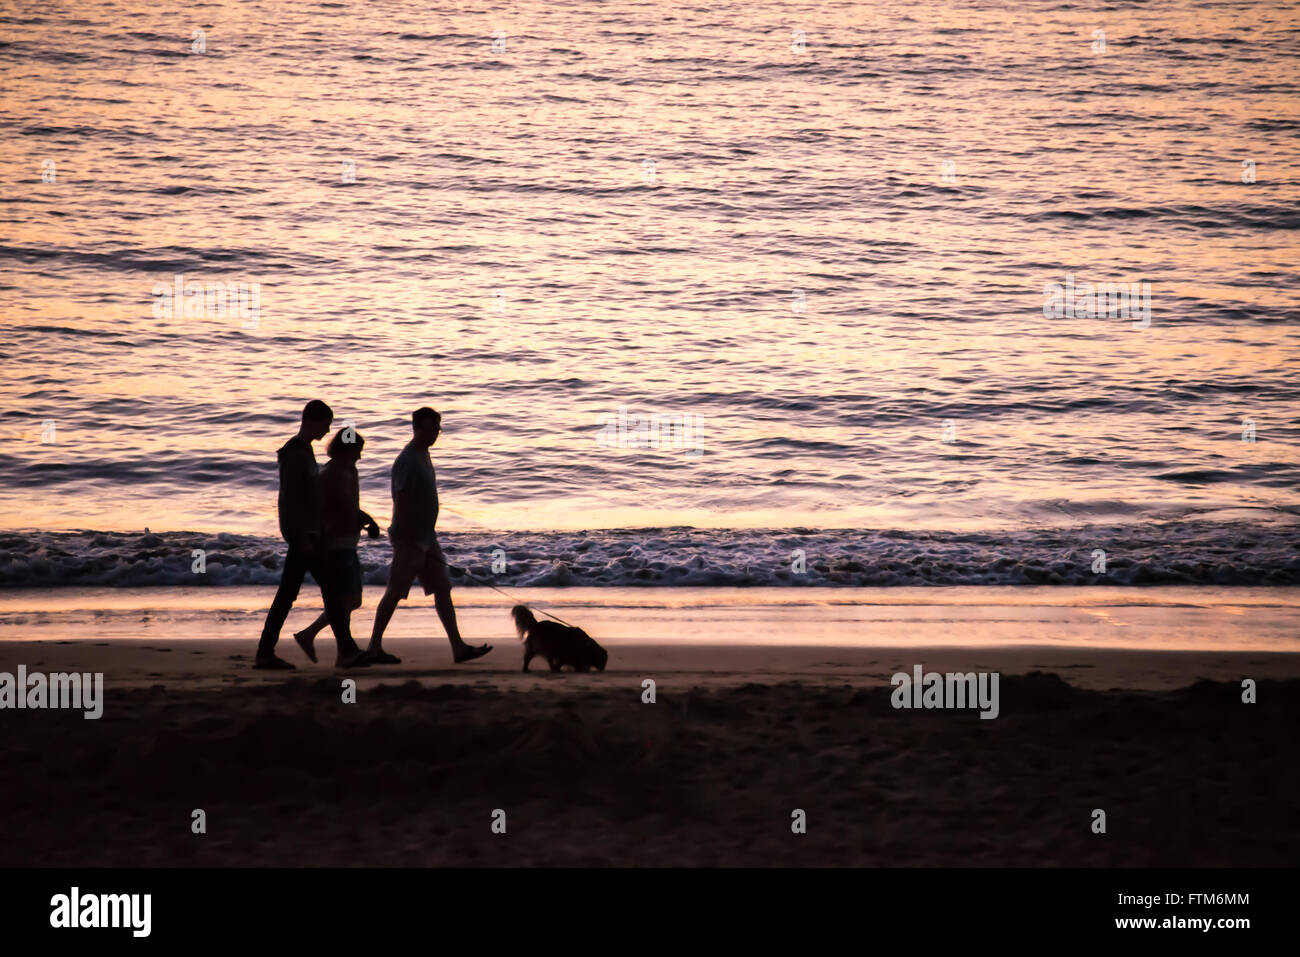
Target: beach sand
<point>740,736</point>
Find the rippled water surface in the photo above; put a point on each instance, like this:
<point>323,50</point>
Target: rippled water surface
<point>671,209</point>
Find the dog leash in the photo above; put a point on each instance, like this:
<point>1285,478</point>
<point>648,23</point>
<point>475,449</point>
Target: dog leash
<point>470,575</point>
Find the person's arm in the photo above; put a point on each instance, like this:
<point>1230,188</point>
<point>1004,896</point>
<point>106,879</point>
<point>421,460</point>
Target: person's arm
<point>295,480</point>
<point>363,519</point>
<point>337,499</point>
<point>401,489</point>
<point>402,501</point>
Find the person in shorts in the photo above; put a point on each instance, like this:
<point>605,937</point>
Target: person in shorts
<point>416,553</point>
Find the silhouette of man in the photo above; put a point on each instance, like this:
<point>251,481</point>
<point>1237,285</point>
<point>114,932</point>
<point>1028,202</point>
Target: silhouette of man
<point>302,524</point>
<point>416,553</point>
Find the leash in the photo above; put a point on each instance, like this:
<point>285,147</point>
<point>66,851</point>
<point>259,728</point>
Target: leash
<point>470,575</point>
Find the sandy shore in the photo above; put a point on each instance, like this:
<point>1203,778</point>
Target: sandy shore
<point>586,773</point>
<point>203,664</point>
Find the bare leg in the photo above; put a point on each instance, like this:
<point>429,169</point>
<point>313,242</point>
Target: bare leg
<point>383,614</point>
<point>307,637</point>
<point>316,627</point>
<point>447,615</point>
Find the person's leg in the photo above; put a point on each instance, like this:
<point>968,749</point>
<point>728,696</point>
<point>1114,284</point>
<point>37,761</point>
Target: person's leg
<point>337,611</point>
<point>307,637</point>
<point>290,583</point>
<point>401,572</point>
<point>383,612</point>
<point>435,578</point>
<point>317,626</point>
<point>447,614</point>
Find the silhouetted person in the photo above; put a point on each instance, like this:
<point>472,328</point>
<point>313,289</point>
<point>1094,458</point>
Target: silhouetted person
<point>301,524</point>
<point>416,553</point>
<point>341,493</point>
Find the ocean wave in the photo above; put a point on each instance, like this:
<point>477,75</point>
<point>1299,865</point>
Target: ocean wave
<point>1191,553</point>
<point>1236,216</point>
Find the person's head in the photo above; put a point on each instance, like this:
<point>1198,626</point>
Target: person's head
<point>346,445</point>
<point>426,424</point>
<point>316,419</point>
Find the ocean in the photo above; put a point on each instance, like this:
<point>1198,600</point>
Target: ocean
<point>947,293</point>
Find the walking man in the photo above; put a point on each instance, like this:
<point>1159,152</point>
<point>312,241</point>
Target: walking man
<point>302,525</point>
<point>416,553</point>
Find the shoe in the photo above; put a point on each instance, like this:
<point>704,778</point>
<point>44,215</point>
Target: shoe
<point>471,652</point>
<point>355,660</point>
<point>271,663</point>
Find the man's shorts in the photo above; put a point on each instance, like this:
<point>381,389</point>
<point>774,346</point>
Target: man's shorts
<point>411,562</point>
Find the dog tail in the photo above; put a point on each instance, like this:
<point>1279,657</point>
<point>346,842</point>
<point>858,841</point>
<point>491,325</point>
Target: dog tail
<point>525,621</point>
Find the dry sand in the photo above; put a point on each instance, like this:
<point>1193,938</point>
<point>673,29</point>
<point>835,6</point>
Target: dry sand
<point>708,775</point>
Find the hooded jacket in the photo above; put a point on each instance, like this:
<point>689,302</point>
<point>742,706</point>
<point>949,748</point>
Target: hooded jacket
<point>300,497</point>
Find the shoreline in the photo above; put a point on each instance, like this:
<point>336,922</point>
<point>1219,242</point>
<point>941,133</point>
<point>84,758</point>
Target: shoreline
<point>1202,551</point>
<point>1183,618</point>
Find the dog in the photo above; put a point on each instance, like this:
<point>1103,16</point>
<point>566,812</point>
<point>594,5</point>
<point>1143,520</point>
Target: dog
<point>559,644</point>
